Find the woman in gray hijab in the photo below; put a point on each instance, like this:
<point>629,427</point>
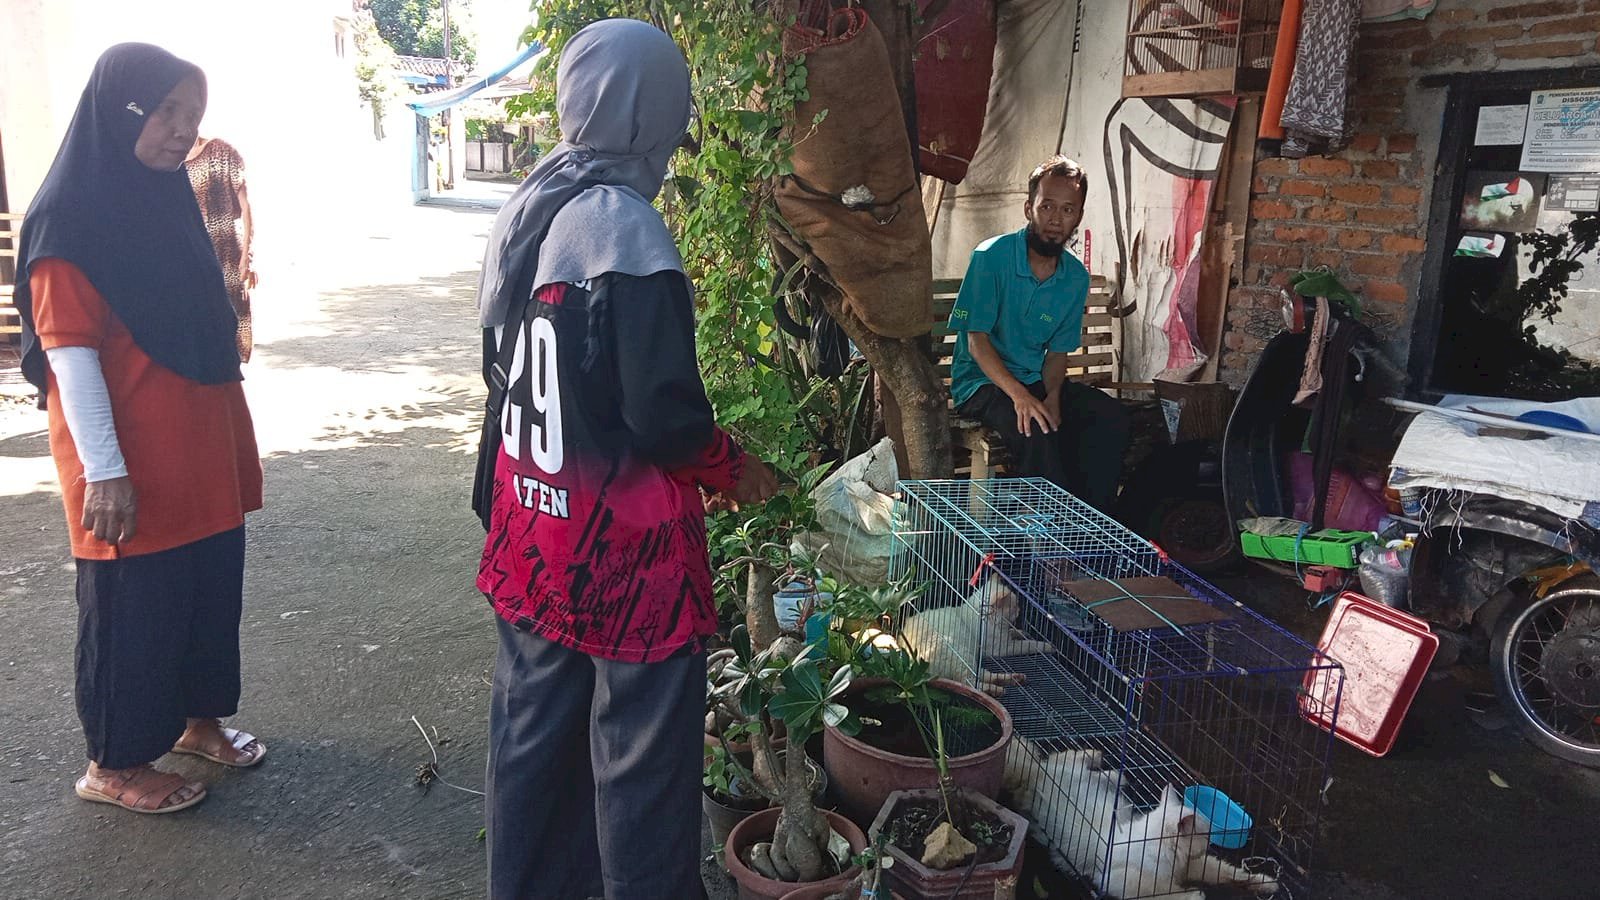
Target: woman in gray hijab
<point>598,459</point>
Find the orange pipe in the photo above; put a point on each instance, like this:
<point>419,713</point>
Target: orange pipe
<point>1282,70</point>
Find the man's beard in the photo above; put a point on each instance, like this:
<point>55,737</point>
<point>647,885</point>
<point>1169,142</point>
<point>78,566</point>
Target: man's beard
<point>1047,249</point>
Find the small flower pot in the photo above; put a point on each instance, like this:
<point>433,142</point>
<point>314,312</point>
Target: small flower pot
<point>757,828</point>
<point>987,881</point>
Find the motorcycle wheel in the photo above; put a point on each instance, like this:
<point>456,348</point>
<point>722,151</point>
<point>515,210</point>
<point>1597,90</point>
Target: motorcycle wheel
<point>1197,532</point>
<point>1546,664</point>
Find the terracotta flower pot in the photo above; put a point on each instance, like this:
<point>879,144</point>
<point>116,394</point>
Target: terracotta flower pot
<point>823,891</point>
<point>988,881</point>
<point>755,886</point>
<point>864,776</point>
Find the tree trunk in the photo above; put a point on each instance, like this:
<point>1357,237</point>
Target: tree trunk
<point>904,365</point>
<point>764,764</point>
<point>759,615</point>
<point>800,839</point>
<point>908,373</point>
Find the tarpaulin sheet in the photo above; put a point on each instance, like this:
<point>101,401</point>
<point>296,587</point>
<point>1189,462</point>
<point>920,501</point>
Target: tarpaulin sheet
<point>1560,474</point>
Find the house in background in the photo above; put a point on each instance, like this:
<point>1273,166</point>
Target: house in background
<point>495,84</point>
<point>424,74</point>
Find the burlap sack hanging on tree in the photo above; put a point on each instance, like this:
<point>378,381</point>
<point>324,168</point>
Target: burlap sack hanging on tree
<point>853,197</point>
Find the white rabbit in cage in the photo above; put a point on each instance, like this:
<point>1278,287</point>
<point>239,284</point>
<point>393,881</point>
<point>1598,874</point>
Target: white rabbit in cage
<point>947,637</point>
<point>1095,830</point>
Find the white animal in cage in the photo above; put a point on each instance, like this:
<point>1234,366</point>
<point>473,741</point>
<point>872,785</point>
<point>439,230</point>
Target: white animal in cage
<point>1094,829</point>
<point>948,637</point>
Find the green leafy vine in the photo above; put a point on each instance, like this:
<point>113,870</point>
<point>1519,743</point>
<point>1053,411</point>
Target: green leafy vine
<point>717,201</point>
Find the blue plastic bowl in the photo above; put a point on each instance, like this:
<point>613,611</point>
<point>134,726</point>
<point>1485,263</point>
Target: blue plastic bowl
<point>1230,824</point>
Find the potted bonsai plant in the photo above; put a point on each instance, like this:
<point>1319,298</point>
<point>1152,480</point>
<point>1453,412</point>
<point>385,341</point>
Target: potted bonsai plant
<point>947,841</point>
<point>757,555</point>
<point>729,795</point>
<point>867,885</point>
<point>898,699</point>
<point>773,851</point>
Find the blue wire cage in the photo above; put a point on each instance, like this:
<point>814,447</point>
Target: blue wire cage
<point>1125,674</point>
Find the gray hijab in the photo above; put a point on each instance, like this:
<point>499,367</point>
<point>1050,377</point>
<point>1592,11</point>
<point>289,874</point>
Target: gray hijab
<point>622,95</point>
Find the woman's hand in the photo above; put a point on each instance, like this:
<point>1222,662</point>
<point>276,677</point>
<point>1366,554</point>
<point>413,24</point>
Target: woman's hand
<point>757,482</point>
<point>247,271</point>
<point>111,510</point>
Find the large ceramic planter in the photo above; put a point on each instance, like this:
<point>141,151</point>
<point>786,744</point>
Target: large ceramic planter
<point>755,886</point>
<point>864,776</point>
<point>988,881</point>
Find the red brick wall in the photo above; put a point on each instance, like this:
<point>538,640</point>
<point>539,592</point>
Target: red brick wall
<point>1363,211</point>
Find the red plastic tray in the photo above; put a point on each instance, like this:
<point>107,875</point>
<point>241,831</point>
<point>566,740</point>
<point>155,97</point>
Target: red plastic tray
<point>1385,654</point>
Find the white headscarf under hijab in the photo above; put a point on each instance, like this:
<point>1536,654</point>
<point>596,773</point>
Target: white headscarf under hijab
<point>622,94</point>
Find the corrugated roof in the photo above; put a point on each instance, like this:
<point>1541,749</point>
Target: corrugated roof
<point>420,65</point>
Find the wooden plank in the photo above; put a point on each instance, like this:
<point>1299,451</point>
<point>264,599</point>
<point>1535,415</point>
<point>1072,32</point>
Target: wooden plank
<point>1224,250</point>
<point>1093,317</point>
<point>1091,360</point>
<point>1078,359</point>
<point>1196,83</point>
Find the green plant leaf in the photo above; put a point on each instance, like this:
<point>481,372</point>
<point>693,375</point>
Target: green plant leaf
<point>840,681</point>
<point>850,725</point>
<point>804,680</point>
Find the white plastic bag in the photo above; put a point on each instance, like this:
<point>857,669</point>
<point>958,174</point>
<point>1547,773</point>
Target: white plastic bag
<point>855,511</point>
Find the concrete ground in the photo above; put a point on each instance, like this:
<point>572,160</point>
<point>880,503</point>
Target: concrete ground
<point>360,616</point>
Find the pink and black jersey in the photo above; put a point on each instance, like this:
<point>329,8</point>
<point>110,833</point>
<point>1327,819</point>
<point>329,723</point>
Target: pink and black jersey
<point>597,532</point>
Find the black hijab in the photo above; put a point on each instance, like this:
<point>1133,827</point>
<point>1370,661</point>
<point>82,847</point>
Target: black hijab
<point>134,232</point>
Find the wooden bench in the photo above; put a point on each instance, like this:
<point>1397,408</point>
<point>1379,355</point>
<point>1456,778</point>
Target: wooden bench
<point>10,319</point>
<point>978,451</point>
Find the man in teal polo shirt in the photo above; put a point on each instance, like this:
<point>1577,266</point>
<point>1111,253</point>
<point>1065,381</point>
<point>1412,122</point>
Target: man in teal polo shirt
<point>1019,314</point>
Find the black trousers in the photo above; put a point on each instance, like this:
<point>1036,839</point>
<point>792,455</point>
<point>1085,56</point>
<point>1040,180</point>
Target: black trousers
<point>594,774</point>
<point>1083,456</point>
<point>158,643</point>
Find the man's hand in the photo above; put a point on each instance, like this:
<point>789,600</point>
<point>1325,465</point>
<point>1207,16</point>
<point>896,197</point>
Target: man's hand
<point>110,509</point>
<point>1032,411</point>
<point>756,483</point>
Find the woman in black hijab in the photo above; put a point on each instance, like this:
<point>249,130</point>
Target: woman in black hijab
<point>129,335</point>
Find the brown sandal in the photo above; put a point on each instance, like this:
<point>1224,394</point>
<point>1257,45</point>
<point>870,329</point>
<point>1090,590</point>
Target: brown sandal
<point>249,751</point>
<point>139,787</point>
